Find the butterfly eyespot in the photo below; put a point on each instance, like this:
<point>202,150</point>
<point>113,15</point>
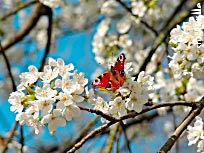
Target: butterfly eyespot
<point>121,57</point>
<point>97,80</point>
<point>108,85</point>
<point>100,77</point>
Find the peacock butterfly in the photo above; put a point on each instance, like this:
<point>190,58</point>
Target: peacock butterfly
<point>114,78</point>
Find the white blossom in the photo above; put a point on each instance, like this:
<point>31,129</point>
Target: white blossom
<point>15,100</point>
<point>49,74</point>
<point>117,107</point>
<point>138,8</point>
<point>71,111</point>
<point>49,97</point>
<point>188,57</point>
<point>45,92</point>
<point>195,132</point>
<point>51,3</point>
<point>55,119</point>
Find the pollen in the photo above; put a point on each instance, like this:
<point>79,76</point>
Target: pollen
<point>45,104</point>
<point>199,53</point>
<point>53,118</point>
<point>190,38</point>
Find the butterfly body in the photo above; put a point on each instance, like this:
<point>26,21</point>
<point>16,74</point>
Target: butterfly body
<point>114,78</point>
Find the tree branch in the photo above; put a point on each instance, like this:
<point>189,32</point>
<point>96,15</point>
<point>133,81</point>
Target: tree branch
<point>194,112</point>
<point>126,138</point>
<point>49,13</point>
<point>20,7</point>
<point>178,8</point>
<point>82,133</point>
<point>163,35</point>
<point>128,9</point>
<point>8,67</point>
<point>112,135</point>
<point>11,134</point>
<point>98,112</point>
<point>22,138</point>
<point>25,29</point>
<point>131,115</point>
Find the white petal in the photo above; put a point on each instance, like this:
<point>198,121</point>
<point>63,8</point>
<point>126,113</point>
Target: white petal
<point>78,98</point>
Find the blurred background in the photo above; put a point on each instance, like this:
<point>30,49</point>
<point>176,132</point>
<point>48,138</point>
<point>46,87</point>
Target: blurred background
<point>75,25</point>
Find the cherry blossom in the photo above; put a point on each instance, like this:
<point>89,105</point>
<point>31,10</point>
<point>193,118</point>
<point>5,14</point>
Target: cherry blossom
<point>49,97</point>
<point>195,134</point>
<point>55,119</point>
<point>187,59</point>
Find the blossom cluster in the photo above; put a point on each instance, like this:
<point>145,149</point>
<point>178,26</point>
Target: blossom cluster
<point>170,89</point>
<point>131,97</point>
<point>48,97</point>
<point>186,41</point>
<point>114,37</point>
<point>196,134</point>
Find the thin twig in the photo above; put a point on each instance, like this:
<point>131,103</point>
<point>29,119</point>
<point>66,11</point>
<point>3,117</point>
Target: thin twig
<point>98,112</point>
<point>189,118</point>
<point>128,9</point>
<point>162,36</point>
<point>126,138</point>
<point>178,8</point>
<point>12,131</point>
<point>8,67</point>
<point>131,115</point>
<point>11,134</point>
<point>175,126</point>
<point>112,135</point>
<point>90,135</point>
<point>49,35</point>
<point>117,140</point>
<point>22,138</point>
<point>82,133</point>
<point>20,7</point>
<point>25,29</point>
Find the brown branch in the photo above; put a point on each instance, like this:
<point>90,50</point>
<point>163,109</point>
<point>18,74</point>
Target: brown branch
<point>178,8</point>
<point>163,36</point>
<point>8,67</point>
<point>134,114</point>
<point>98,112</point>
<point>126,138</point>
<point>194,112</point>
<point>112,136</point>
<point>31,22</point>
<point>175,126</point>
<point>49,13</point>
<point>131,115</point>
<point>91,135</point>
<point>82,133</point>
<point>11,134</point>
<point>22,138</point>
<point>128,9</point>
<point>26,28</point>
<point>20,7</point>
<point>12,131</point>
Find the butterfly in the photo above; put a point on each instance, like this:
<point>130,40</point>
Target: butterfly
<point>114,78</point>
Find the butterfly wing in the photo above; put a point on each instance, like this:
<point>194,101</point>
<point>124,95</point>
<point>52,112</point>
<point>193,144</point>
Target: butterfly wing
<point>118,70</point>
<point>102,81</point>
<point>119,64</point>
<point>113,79</point>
